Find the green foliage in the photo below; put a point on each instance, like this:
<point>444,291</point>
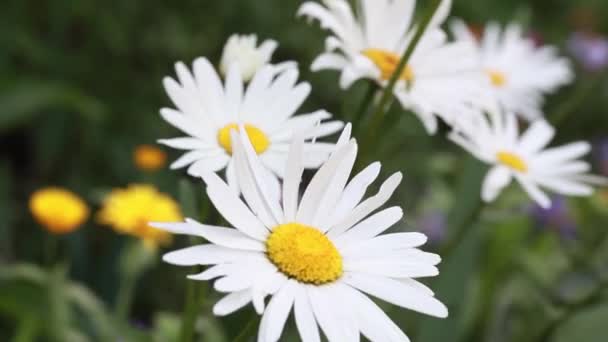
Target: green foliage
<point>80,87</point>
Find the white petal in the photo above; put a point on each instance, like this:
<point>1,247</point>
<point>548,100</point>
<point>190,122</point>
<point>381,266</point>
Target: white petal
<point>383,242</point>
<point>391,268</point>
<point>368,228</point>
<point>496,180</point>
<point>232,303</point>
<point>537,136</point>
<point>373,322</point>
<point>305,319</point>
<point>227,237</point>
<point>207,255</point>
<point>317,188</point>
<point>354,192</point>
<point>276,314</point>
<point>293,177</point>
<point>212,164</point>
<point>535,192</point>
<point>232,208</point>
<point>397,293</point>
<point>369,205</point>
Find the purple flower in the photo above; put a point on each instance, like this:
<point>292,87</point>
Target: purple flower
<point>601,155</point>
<point>590,50</point>
<point>557,218</point>
<point>433,225</point>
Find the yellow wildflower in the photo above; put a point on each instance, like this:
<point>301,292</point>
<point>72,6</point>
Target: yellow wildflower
<point>130,210</point>
<point>58,210</point>
<point>149,158</point>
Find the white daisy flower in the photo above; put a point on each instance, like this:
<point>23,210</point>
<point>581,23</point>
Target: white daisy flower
<point>243,49</point>
<point>441,78</point>
<point>518,72</point>
<point>207,111</point>
<point>317,255</point>
<point>495,140</point>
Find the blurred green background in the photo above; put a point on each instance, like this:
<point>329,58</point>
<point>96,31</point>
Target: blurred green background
<point>80,88</point>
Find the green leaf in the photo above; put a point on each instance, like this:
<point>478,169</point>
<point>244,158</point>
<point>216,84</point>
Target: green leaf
<point>586,326</point>
<point>22,102</point>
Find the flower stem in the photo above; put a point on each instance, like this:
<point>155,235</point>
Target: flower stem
<point>468,205</point>
<point>195,296</point>
<point>124,298</point>
<point>249,330</point>
<point>387,95</point>
<point>364,107</point>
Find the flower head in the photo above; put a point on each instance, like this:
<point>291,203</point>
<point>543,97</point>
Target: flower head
<point>208,112</point>
<point>440,79</point>
<point>317,255</point>
<point>590,50</point>
<point>243,50</point>
<point>557,217</point>
<point>149,158</point>
<point>130,210</point>
<point>495,140</point>
<point>518,73</point>
<point>58,210</point>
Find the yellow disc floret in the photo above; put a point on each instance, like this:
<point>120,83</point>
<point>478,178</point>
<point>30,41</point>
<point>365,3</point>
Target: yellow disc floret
<point>149,158</point>
<point>512,160</point>
<point>58,210</point>
<point>387,62</point>
<point>497,78</point>
<point>130,210</point>
<point>304,253</point>
<point>258,139</point>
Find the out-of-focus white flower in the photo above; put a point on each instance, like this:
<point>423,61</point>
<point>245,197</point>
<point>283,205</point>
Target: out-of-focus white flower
<point>316,255</point>
<point>441,78</point>
<point>518,72</point>
<point>495,140</point>
<point>243,49</point>
<point>207,111</point>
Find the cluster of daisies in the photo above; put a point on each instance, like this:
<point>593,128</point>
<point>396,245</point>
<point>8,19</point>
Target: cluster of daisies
<point>321,252</point>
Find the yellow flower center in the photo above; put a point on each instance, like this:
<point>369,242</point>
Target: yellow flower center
<point>58,210</point>
<point>149,158</point>
<point>513,161</point>
<point>304,253</point>
<point>387,62</point>
<point>258,139</point>
<point>498,79</point>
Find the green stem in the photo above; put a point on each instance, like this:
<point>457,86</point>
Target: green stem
<point>249,330</point>
<point>387,95</point>
<point>468,206</point>
<point>51,246</point>
<point>124,298</point>
<point>194,300</point>
<point>364,107</point>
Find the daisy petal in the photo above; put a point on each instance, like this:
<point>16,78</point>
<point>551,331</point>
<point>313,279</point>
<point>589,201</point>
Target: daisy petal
<point>397,293</point>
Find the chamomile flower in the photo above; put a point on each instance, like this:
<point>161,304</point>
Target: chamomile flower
<point>518,72</point>
<point>207,111</point>
<point>441,78</point>
<point>318,256</point>
<point>495,140</point>
<point>243,49</point>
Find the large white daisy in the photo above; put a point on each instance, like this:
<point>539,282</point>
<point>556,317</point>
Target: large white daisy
<point>317,255</point>
<point>495,140</point>
<point>441,78</point>
<point>244,50</point>
<point>518,72</point>
<point>207,111</point>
